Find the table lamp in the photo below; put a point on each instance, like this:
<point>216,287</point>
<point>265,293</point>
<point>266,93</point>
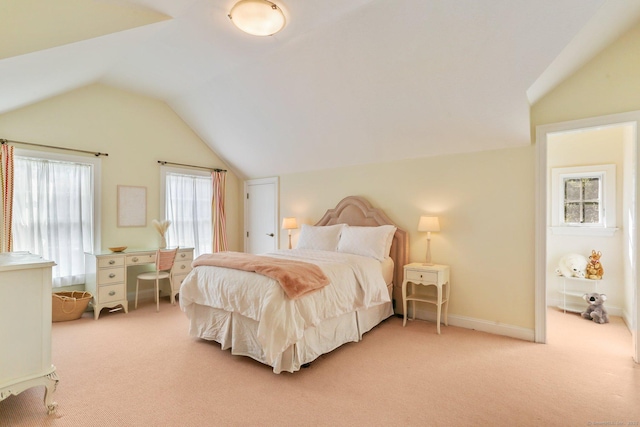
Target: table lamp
<point>429,224</point>
<point>289,224</point>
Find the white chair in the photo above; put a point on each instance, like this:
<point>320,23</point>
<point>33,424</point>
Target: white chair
<point>164,264</point>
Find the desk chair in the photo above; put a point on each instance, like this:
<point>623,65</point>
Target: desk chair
<point>164,264</point>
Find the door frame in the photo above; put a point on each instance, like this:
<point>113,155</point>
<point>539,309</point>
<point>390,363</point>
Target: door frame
<point>631,118</point>
<point>276,204</point>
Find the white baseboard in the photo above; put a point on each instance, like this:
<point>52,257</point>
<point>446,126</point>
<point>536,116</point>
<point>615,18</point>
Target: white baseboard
<point>612,310</point>
<point>480,325</point>
<point>627,319</point>
<point>145,293</point>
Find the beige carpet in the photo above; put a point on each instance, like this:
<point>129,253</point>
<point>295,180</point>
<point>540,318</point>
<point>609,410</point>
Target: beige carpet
<point>142,369</point>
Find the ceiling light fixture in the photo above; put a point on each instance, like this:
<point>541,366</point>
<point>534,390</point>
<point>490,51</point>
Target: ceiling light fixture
<point>257,17</point>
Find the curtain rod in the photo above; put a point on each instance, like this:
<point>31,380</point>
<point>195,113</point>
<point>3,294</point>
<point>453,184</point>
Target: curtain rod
<point>95,153</point>
<point>162,162</point>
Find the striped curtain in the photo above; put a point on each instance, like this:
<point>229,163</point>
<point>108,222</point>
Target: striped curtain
<point>6,180</point>
<point>218,218</point>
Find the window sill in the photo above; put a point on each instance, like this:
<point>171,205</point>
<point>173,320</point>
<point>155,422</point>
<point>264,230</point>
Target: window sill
<point>584,231</point>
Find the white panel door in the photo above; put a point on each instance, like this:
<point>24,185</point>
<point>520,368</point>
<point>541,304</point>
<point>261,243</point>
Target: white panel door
<point>261,216</point>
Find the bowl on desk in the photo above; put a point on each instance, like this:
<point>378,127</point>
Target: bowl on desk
<point>118,249</point>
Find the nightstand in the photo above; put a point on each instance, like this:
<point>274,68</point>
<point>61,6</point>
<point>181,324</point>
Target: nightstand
<point>426,275</point>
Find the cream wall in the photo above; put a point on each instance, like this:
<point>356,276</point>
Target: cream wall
<point>608,84</point>
<point>136,132</point>
<point>485,202</point>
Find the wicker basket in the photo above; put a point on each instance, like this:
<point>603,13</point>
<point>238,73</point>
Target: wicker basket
<point>69,305</point>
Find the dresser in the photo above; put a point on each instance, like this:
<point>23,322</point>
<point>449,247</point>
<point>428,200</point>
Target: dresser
<point>25,315</point>
<point>106,275</point>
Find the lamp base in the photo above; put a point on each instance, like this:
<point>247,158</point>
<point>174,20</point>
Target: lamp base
<point>428,257</point>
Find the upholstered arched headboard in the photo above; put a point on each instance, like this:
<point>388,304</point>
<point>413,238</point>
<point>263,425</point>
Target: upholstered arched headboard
<point>357,211</point>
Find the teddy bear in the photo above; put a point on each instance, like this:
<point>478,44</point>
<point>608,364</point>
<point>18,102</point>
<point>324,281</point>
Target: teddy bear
<point>594,267</point>
<point>572,265</point>
<point>595,311</point>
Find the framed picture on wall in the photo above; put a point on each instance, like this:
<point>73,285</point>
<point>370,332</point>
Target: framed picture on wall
<point>132,206</point>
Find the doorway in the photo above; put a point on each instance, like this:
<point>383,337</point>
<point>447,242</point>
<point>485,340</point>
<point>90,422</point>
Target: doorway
<point>545,135</point>
<point>261,232</point>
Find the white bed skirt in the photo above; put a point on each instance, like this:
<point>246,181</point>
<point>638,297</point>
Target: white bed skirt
<point>239,333</point>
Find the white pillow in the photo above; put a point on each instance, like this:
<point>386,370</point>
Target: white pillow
<point>374,242</point>
<point>321,238</point>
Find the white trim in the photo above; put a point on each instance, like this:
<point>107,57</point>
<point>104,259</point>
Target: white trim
<point>542,132</point>
<point>96,163</point>
<point>540,271</point>
<point>611,309</point>
<point>607,203</point>
<point>583,231</point>
<point>478,325</point>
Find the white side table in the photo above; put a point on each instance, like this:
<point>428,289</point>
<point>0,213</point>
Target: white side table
<point>426,275</point>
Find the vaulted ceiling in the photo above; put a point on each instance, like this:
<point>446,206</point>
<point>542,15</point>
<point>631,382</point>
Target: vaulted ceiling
<point>345,82</point>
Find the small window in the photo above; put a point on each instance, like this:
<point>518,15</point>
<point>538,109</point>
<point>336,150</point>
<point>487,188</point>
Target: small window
<point>583,198</point>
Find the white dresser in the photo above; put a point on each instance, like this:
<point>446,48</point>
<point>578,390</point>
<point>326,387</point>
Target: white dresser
<point>25,315</point>
<point>106,274</point>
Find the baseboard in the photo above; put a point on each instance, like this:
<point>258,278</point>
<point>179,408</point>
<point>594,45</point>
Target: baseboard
<point>612,310</point>
<point>144,294</point>
<point>626,317</point>
<point>480,325</point>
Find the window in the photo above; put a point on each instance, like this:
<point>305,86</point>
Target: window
<point>54,210</point>
<point>187,201</point>
<point>583,200</point>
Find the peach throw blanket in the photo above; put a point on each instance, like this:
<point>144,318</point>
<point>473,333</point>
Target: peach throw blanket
<point>297,278</point>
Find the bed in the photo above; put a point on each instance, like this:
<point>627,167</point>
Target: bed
<point>250,314</point>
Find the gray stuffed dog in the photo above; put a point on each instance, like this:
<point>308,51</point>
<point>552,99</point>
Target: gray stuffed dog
<point>595,311</point>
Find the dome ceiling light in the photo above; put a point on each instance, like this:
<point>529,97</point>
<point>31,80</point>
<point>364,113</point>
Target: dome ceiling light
<point>257,17</point>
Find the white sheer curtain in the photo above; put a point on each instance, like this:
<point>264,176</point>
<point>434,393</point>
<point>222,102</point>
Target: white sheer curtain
<point>53,214</point>
<point>188,207</point>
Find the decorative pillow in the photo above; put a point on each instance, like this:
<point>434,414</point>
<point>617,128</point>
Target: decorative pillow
<point>374,242</point>
<point>322,238</point>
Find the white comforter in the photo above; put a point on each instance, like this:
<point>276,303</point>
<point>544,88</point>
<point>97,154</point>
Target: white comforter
<point>356,282</point>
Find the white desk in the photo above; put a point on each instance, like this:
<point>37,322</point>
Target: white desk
<point>106,274</point>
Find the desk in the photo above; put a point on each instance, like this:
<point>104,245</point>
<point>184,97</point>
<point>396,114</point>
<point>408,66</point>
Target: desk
<point>106,274</point>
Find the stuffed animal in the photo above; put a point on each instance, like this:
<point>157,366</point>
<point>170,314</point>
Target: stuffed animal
<point>594,268</point>
<point>595,311</point>
<point>572,265</point>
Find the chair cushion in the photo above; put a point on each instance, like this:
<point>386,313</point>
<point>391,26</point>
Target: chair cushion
<point>152,275</point>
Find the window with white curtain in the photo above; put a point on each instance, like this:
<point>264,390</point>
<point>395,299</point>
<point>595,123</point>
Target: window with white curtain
<point>54,210</point>
<point>187,201</point>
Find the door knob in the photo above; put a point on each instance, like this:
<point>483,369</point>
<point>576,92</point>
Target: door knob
<point>270,234</point>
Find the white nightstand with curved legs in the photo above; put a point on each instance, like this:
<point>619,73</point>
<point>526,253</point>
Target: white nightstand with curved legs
<point>426,275</point>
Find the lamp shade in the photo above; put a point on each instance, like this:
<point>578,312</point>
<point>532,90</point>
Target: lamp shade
<point>429,223</point>
<point>257,17</point>
<point>289,223</point>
